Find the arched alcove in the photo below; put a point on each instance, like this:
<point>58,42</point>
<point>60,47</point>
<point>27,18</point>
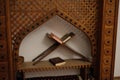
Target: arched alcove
<point>37,41</point>
<point>20,19</point>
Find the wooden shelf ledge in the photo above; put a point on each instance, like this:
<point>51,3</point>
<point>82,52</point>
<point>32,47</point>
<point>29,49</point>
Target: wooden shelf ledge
<point>46,65</point>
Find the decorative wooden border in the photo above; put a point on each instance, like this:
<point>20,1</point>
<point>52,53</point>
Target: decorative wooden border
<point>108,39</point>
<point>4,64</point>
<point>107,46</point>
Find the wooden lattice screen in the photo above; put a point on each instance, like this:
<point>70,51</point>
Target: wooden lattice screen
<point>96,18</point>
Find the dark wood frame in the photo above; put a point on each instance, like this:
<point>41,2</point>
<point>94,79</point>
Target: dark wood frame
<point>106,47</point>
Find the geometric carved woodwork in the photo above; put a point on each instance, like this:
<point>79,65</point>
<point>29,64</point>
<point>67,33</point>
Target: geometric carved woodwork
<point>46,66</point>
<point>24,31</point>
<point>34,13</point>
<point>96,18</point>
<point>3,43</point>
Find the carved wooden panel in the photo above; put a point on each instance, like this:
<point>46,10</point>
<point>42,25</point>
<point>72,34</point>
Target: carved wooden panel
<point>96,18</point>
<point>108,35</point>
<point>24,13</point>
<point>3,43</point>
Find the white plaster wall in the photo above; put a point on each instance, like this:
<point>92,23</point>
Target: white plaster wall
<point>117,57</point>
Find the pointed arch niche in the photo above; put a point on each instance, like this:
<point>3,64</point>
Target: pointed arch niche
<point>59,23</point>
<point>37,41</point>
<point>19,36</point>
<point>94,23</point>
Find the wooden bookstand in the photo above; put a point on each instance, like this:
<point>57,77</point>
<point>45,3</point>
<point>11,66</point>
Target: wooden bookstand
<point>96,18</point>
<point>57,43</point>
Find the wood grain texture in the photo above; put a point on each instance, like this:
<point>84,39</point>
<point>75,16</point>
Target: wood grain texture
<point>107,40</point>
<point>34,13</point>
<point>46,65</point>
<point>4,71</point>
<point>19,17</point>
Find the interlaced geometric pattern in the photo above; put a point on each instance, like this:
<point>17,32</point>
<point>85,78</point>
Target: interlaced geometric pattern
<point>23,13</point>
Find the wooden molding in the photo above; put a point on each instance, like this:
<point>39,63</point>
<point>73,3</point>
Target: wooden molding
<point>96,18</point>
<point>117,78</point>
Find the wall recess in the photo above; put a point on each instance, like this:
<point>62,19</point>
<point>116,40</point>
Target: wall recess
<point>97,19</point>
